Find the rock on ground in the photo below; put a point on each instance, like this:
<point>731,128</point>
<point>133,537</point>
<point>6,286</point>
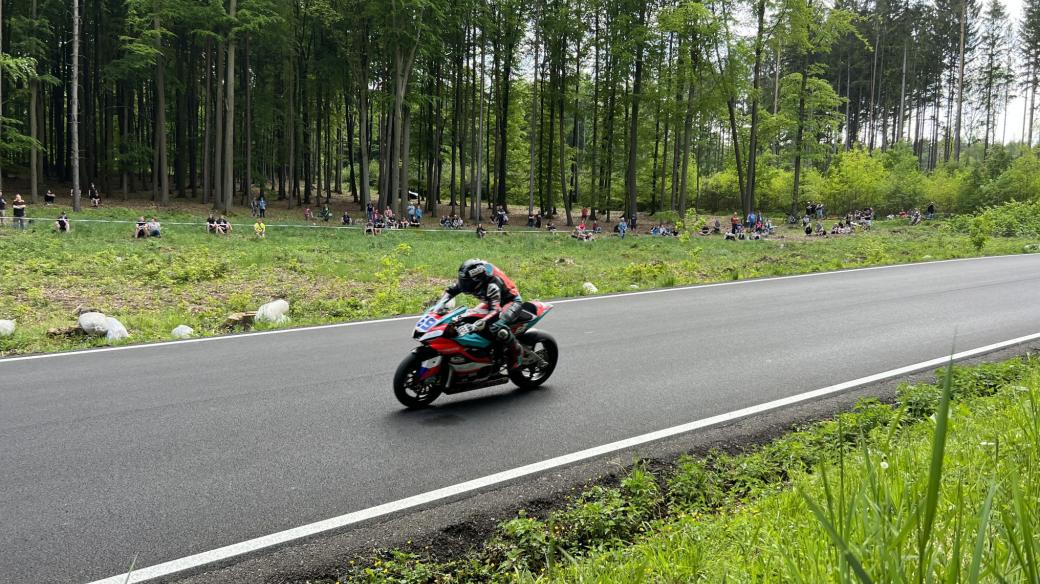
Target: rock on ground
<point>93,323</point>
<point>589,288</point>
<point>115,330</point>
<point>275,311</point>
<point>6,328</point>
<point>182,331</point>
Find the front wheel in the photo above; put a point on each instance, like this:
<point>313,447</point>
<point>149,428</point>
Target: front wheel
<point>409,389</point>
<point>531,373</point>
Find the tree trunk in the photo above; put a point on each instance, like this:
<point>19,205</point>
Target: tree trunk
<point>207,136</point>
<point>218,131</point>
<point>480,143</point>
<point>799,135</point>
<point>160,119</point>
<point>749,196</point>
<point>960,87</point>
<point>229,140</point>
<point>632,202</point>
<point>248,145</point>
<point>34,87</point>
<point>74,108</point>
<point>363,131</point>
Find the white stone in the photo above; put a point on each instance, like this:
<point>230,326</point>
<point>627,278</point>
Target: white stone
<point>275,311</point>
<point>116,330</point>
<point>182,331</point>
<point>6,328</point>
<point>589,288</point>
<point>93,323</point>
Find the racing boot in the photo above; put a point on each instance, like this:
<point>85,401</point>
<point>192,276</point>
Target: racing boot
<point>516,355</point>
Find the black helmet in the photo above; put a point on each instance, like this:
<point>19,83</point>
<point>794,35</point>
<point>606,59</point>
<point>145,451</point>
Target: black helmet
<point>474,275</point>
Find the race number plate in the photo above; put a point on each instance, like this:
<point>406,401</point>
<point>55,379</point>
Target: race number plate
<point>426,323</point>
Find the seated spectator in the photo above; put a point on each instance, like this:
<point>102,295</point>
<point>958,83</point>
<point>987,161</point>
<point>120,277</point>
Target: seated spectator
<point>62,224</point>
<point>808,228</point>
<point>307,215</point>
<point>716,226</point>
<point>95,198</point>
<point>705,229</point>
<point>211,224</point>
<point>154,228</point>
<point>550,227</point>
<point>140,231</point>
<point>481,232</point>
<point>326,213</point>
<point>260,229</point>
<point>346,218</point>
<point>223,226</point>
<point>48,198</point>
<point>596,228</point>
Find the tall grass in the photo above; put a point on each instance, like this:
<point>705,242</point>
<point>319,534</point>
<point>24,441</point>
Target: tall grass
<point>954,499</point>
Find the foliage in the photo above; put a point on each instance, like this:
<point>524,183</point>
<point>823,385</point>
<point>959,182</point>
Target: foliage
<point>873,482</point>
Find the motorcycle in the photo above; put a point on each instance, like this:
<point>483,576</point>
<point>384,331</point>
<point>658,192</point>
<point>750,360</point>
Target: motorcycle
<point>455,355</point>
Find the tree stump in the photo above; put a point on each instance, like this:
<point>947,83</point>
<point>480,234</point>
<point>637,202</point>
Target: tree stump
<point>65,331</point>
<point>242,320</point>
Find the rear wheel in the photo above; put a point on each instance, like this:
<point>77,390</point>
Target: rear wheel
<point>410,390</point>
<point>531,373</point>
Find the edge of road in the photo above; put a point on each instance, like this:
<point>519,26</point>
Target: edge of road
<point>147,345</point>
<point>241,550</point>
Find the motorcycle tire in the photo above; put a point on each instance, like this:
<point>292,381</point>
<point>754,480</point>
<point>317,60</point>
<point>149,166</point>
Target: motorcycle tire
<point>528,376</point>
<point>408,390</point>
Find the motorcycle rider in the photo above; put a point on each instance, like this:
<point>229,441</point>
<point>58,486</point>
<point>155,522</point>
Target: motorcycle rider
<point>501,298</point>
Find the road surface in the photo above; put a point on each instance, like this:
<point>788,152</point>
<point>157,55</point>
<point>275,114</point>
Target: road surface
<point>158,452</point>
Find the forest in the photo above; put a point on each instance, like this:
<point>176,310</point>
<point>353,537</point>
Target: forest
<point>537,105</point>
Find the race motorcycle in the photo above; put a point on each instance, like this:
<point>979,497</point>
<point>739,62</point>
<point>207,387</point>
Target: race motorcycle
<point>455,355</point>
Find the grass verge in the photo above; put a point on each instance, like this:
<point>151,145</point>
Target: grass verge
<point>941,486</point>
<point>328,275</point>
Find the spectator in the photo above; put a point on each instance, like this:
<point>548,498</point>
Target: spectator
<point>584,214</point>
<point>48,198</point>
<point>550,226</point>
<point>418,215</point>
<point>808,229</point>
<point>307,215</point>
<point>346,218</point>
<point>538,221</point>
<point>140,229</point>
<point>260,229</point>
<point>154,228</point>
<point>62,224</point>
<point>368,211</point>
<point>530,219</point>
<point>261,206</point>
<point>3,208</point>
<point>481,232</point>
<point>622,227</point>
<point>930,211</point>
<point>223,226</point>
<point>211,224</point>
<point>254,208</point>
<point>326,213</point>
<point>95,197</point>
<point>819,211</point>
<point>733,222</point>
<point>19,212</point>
<point>716,226</point>
<point>751,220</point>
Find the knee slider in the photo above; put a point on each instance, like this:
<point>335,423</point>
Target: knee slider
<point>502,333</point>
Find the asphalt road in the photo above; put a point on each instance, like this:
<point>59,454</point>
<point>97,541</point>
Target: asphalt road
<point>164,451</point>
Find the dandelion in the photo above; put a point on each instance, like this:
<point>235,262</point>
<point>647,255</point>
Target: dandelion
<point>884,465</point>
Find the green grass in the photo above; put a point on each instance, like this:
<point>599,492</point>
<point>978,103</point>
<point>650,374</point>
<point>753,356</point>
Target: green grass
<point>942,486</point>
<point>329,275</point>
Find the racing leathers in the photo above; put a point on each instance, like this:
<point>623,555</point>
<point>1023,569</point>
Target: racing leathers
<point>501,298</point>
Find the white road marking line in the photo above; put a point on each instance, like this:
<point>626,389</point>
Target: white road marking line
<point>246,547</point>
<point>4,360</point>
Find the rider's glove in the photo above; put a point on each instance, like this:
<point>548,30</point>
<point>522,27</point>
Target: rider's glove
<point>479,325</point>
